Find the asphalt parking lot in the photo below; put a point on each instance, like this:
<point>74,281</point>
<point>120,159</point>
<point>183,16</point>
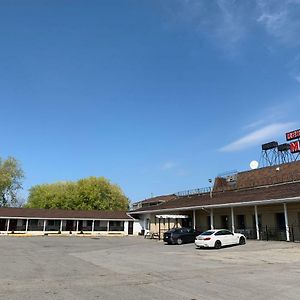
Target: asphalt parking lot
<point>137,268</point>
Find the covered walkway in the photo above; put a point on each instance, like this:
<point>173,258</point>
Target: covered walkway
<point>43,221</point>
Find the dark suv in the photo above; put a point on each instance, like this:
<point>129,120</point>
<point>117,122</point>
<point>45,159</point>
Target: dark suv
<point>180,235</point>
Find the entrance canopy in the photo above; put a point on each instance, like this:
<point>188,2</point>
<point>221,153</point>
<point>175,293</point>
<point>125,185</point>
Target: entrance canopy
<point>171,216</point>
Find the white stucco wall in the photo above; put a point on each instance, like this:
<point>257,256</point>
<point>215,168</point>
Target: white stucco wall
<point>126,227</point>
<point>137,227</point>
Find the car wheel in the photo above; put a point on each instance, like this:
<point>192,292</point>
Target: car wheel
<point>242,241</point>
<point>218,244</point>
<point>179,241</point>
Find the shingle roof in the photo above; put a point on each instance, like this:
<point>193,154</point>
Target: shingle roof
<point>280,191</point>
<point>63,214</point>
<point>282,173</point>
<point>162,198</point>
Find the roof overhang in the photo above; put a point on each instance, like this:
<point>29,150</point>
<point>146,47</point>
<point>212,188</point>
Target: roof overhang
<point>171,216</point>
<point>64,219</point>
<point>225,205</point>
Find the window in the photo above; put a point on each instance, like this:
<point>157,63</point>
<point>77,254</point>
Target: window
<point>207,233</point>
<point>227,232</point>
<point>34,222</point>
<point>221,232</point>
<point>100,226</point>
<point>116,226</point>
<point>53,225</point>
<point>53,222</point>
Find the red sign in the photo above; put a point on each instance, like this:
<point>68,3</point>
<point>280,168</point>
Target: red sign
<point>293,135</point>
<point>295,147</point>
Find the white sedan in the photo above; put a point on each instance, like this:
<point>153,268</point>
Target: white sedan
<point>218,238</point>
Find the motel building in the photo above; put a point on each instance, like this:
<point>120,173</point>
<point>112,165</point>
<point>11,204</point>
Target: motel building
<point>262,203</point>
<point>66,222</point>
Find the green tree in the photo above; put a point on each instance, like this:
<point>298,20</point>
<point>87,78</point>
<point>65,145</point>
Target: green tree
<point>92,193</point>
<point>11,175</point>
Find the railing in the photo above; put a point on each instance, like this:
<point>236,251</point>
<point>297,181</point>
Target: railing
<point>116,228</point>
<point>228,173</point>
<point>100,228</point>
<point>52,228</point>
<point>86,228</point>
<point>271,233</point>
<point>191,192</point>
<point>20,228</point>
<point>249,233</point>
<point>35,228</point>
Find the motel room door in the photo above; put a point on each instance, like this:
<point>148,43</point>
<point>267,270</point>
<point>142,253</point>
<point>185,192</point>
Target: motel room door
<point>130,227</point>
<point>80,225</point>
<point>2,224</point>
<point>69,225</point>
<point>13,225</point>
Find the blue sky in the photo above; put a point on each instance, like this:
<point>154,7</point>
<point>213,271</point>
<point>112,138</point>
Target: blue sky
<point>157,96</point>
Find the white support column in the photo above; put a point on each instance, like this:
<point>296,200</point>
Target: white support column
<point>44,227</point>
<point>93,225</point>
<point>256,222</point>
<point>194,218</point>
<point>107,225</point>
<point>287,229</point>
<point>26,226</point>
<point>7,225</point>
<point>61,225</point>
<point>77,225</point>
<point>211,219</point>
<point>232,220</point>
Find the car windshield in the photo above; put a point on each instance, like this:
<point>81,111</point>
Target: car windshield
<point>207,233</point>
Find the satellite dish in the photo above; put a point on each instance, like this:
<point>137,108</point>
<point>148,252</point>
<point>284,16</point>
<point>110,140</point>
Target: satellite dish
<point>254,164</point>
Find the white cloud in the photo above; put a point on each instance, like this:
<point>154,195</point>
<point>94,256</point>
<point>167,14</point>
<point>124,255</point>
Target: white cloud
<point>256,137</point>
<point>223,22</point>
<point>280,19</point>
<point>270,115</point>
<point>168,166</point>
<point>227,22</point>
<point>255,124</point>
